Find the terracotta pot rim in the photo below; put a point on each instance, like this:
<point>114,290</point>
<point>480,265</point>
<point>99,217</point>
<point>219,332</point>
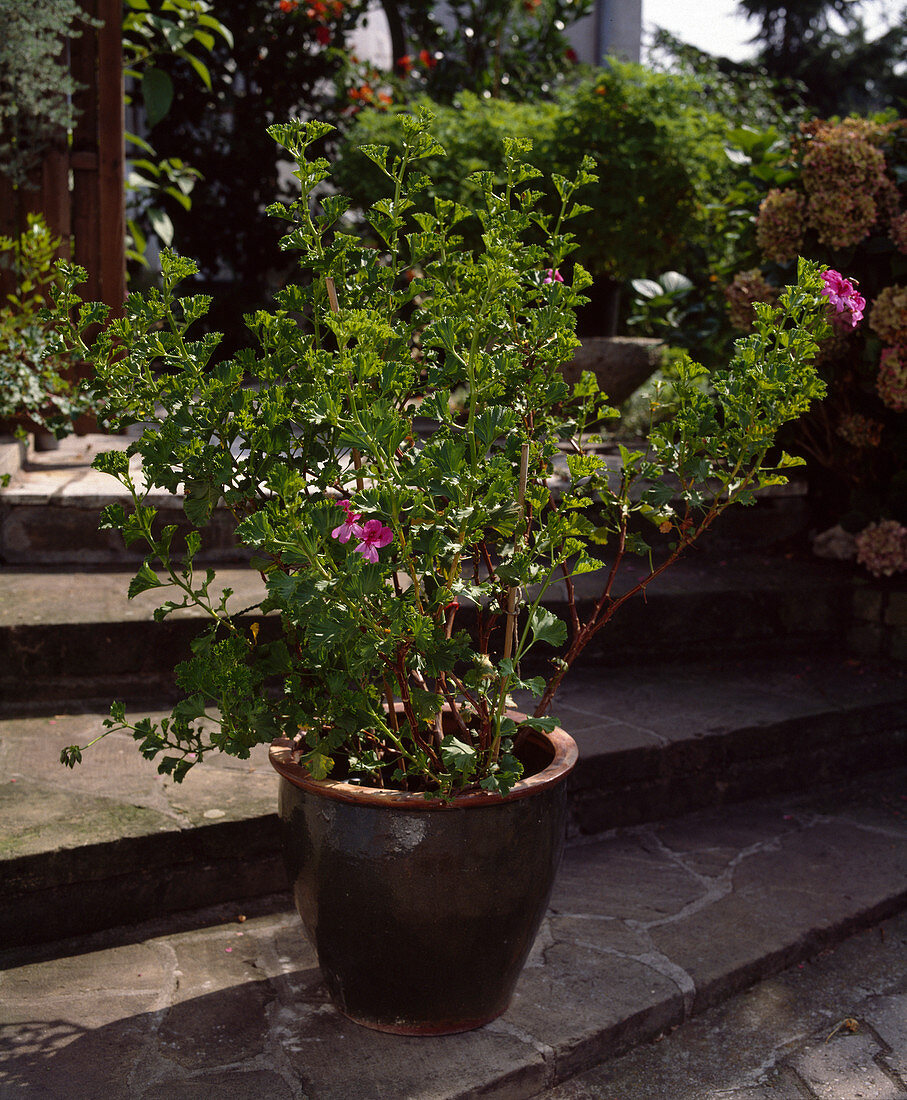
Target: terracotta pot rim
<point>566,753</point>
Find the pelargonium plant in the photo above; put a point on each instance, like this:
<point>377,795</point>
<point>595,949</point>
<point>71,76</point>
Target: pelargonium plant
<point>407,541</point>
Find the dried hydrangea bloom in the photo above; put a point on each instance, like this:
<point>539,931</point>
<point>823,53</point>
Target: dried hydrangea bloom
<point>859,431</point>
<point>888,200</point>
<point>779,225</point>
<point>845,180</point>
<point>882,548</point>
<point>747,288</point>
<point>898,231</point>
<point>889,315</point>
<point>892,380</point>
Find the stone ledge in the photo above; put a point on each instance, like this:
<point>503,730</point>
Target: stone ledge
<point>647,928</point>
<point>96,846</point>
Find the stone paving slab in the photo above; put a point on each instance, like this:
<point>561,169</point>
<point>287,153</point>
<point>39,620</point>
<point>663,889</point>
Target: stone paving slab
<point>831,1028</point>
<point>74,635</point>
<point>49,510</point>
<point>12,457</point>
<point>87,847</point>
<point>235,1008</point>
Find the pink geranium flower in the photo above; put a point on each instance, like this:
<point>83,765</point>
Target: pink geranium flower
<point>350,526</point>
<point>553,276</point>
<point>844,297</point>
<point>374,535</point>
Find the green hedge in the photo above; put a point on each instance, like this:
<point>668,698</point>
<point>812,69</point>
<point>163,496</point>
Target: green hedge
<point>659,156</point>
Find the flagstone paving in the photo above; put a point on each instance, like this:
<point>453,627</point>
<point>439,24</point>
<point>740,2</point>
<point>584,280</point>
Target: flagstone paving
<point>729,822</point>
<point>648,927</point>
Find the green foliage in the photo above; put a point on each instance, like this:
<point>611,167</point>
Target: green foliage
<point>494,48</point>
<point>660,161</point>
<point>35,390</point>
<point>277,65</point>
<point>375,506</point>
<point>742,92</point>
<point>35,85</point>
<point>154,34</point>
<point>658,156</point>
<point>823,47</point>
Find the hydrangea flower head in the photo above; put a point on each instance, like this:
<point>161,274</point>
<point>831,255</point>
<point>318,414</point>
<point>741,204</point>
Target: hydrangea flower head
<point>882,548</point>
<point>779,225</point>
<point>898,231</point>
<point>844,178</point>
<point>747,288</point>
<point>859,430</point>
<point>892,381</point>
<point>889,315</point>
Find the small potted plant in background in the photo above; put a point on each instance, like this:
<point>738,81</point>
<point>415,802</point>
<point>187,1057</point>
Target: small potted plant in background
<point>405,567</point>
<point>39,389</point>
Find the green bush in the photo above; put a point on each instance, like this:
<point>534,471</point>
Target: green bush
<point>37,391</point>
<point>659,157</point>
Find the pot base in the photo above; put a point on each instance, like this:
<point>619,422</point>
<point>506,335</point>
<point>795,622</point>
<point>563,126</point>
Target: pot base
<point>433,1027</point>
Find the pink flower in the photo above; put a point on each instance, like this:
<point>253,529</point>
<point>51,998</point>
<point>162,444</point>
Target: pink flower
<point>779,225</point>
<point>882,548</point>
<point>350,526</point>
<point>374,535</point>
<point>844,297</point>
<point>553,276</point>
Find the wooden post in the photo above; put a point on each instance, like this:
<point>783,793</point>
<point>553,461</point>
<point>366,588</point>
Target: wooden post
<point>98,156</point>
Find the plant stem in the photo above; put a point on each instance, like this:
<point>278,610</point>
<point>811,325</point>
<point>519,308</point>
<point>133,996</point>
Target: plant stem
<point>512,594</point>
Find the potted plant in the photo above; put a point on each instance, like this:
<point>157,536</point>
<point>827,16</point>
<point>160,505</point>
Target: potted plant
<point>405,461</point>
<point>39,388</point>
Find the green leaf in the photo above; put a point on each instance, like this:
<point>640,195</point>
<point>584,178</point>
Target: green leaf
<point>546,725</point>
<point>200,67</point>
<point>200,501</point>
<point>458,757</point>
<point>115,463</point>
<point>113,517</point>
<point>646,288</point>
<point>145,579</point>
<point>547,627</point>
<point>71,756</point>
<point>161,224</point>
<point>157,95</point>
<point>318,764</point>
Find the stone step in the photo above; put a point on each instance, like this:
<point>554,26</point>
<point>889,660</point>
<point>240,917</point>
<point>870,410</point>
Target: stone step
<point>13,454</point>
<point>49,512</point>
<point>69,637</point>
<point>112,840</point>
<point>50,509</point>
<point>648,928</point>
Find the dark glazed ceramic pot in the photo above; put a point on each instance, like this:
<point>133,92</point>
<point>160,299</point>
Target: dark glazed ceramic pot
<point>423,913</point>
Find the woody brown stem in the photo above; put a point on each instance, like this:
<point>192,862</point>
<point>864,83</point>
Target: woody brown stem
<point>512,593</point>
